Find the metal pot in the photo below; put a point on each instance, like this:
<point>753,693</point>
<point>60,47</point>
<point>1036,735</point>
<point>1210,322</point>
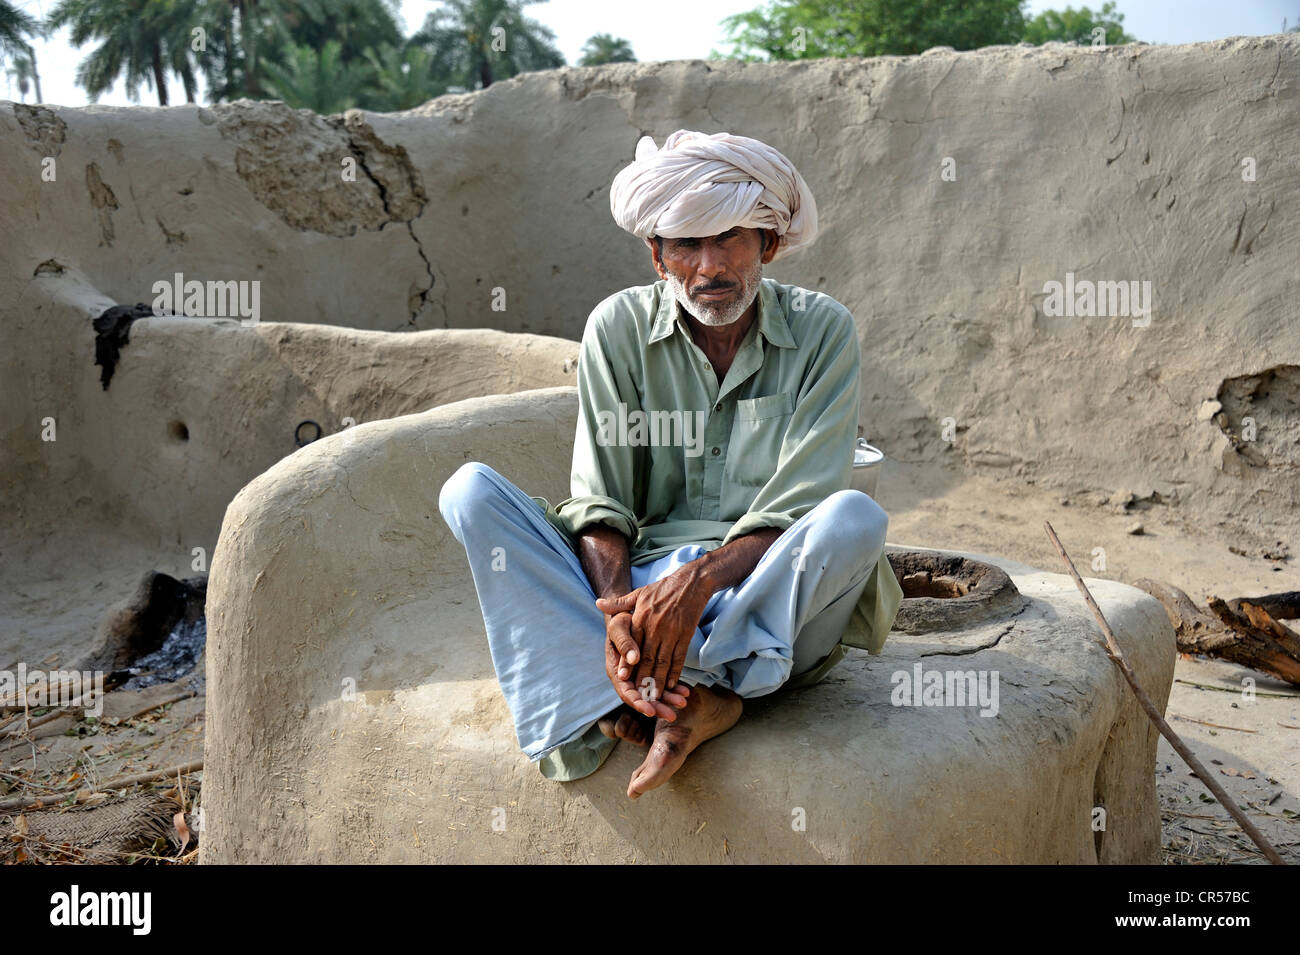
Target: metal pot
<point>867,461</point>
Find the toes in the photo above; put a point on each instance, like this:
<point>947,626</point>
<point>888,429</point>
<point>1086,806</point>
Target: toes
<point>637,785</point>
<point>632,728</point>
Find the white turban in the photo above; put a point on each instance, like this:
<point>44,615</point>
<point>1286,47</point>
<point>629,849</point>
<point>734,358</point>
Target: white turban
<point>699,185</point>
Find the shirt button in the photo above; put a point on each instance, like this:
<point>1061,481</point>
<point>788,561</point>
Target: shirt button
<point>717,407</point>
<point>717,450</point>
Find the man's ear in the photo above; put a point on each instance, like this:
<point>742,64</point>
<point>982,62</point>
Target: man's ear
<point>770,244</point>
<point>655,259</point>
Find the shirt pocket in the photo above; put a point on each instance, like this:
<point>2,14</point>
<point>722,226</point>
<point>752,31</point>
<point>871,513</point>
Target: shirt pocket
<point>757,434</point>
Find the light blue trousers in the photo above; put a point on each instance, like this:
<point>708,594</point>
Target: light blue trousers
<point>547,638</point>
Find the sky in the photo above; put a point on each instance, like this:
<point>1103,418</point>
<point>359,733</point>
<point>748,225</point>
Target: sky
<point>689,29</point>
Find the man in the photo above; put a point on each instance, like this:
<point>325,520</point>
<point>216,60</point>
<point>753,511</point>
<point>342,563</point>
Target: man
<point>711,545</point>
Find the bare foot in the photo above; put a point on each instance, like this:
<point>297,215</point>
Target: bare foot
<point>626,723</point>
<point>709,712</point>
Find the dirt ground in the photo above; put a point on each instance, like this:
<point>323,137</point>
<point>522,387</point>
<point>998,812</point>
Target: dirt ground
<point>1252,744</point>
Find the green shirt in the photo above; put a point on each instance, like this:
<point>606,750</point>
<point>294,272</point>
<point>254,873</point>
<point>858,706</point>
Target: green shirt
<point>668,456</point>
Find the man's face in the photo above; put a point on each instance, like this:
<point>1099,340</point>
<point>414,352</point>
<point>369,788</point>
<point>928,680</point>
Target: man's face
<point>715,278</point>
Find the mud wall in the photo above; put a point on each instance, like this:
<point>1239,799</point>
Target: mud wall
<point>952,188</point>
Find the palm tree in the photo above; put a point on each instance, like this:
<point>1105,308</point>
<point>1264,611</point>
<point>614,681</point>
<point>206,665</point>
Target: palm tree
<point>245,37</point>
<point>22,70</point>
<point>603,48</point>
<point>140,41</point>
<point>248,14</point>
<point>175,20</point>
<point>476,42</point>
<point>359,26</point>
<point>402,79</point>
<point>318,79</point>
<point>239,36</point>
<point>15,26</point>
<point>226,26</point>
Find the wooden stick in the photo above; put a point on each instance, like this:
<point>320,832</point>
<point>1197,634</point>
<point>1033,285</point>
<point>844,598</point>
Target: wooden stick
<point>50,800</point>
<point>1117,657</point>
<point>19,731</point>
<point>153,706</point>
<point>1284,606</point>
<point>1235,689</point>
<point>1217,726</point>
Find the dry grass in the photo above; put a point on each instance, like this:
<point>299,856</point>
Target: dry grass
<point>65,765</point>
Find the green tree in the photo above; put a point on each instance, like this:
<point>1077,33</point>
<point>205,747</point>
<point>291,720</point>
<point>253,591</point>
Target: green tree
<point>15,27</point>
<point>376,69</point>
<point>401,78</point>
<point>805,29</point>
<point>239,38</point>
<point>175,20</point>
<point>248,20</point>
<point>604,48</point>
<point>245,37</point>
<point>219,58</point>
<point>1077,25</point>
<point>318,80</point>
<point>476,42</point>
<point>139,41</point>
<point>359,26</point>
<point>22,70</point>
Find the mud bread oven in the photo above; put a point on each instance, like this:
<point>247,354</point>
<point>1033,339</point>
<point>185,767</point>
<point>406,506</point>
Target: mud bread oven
<point>949,592</point>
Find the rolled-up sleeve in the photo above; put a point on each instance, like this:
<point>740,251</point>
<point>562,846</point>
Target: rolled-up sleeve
<point>816,457</point>
<point>604,479</point>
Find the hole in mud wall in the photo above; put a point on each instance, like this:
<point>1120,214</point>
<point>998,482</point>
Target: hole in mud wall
<point>1261,416</point>
<point>178,432</point>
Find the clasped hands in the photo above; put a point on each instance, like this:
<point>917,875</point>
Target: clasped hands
<point>648,631</point>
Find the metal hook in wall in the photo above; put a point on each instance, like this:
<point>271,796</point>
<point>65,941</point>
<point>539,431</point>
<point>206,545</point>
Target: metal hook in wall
<point>297,433</point>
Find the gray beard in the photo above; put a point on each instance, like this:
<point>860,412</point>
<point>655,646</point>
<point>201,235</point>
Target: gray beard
<point>712,314</point>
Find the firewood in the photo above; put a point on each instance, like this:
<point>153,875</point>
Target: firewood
<point>1241,631</point>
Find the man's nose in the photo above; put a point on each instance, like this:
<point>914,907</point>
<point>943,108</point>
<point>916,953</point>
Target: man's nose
<point>711,260</point>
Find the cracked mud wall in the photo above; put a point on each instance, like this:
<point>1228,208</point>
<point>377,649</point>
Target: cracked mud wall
<point>1113,165</point>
